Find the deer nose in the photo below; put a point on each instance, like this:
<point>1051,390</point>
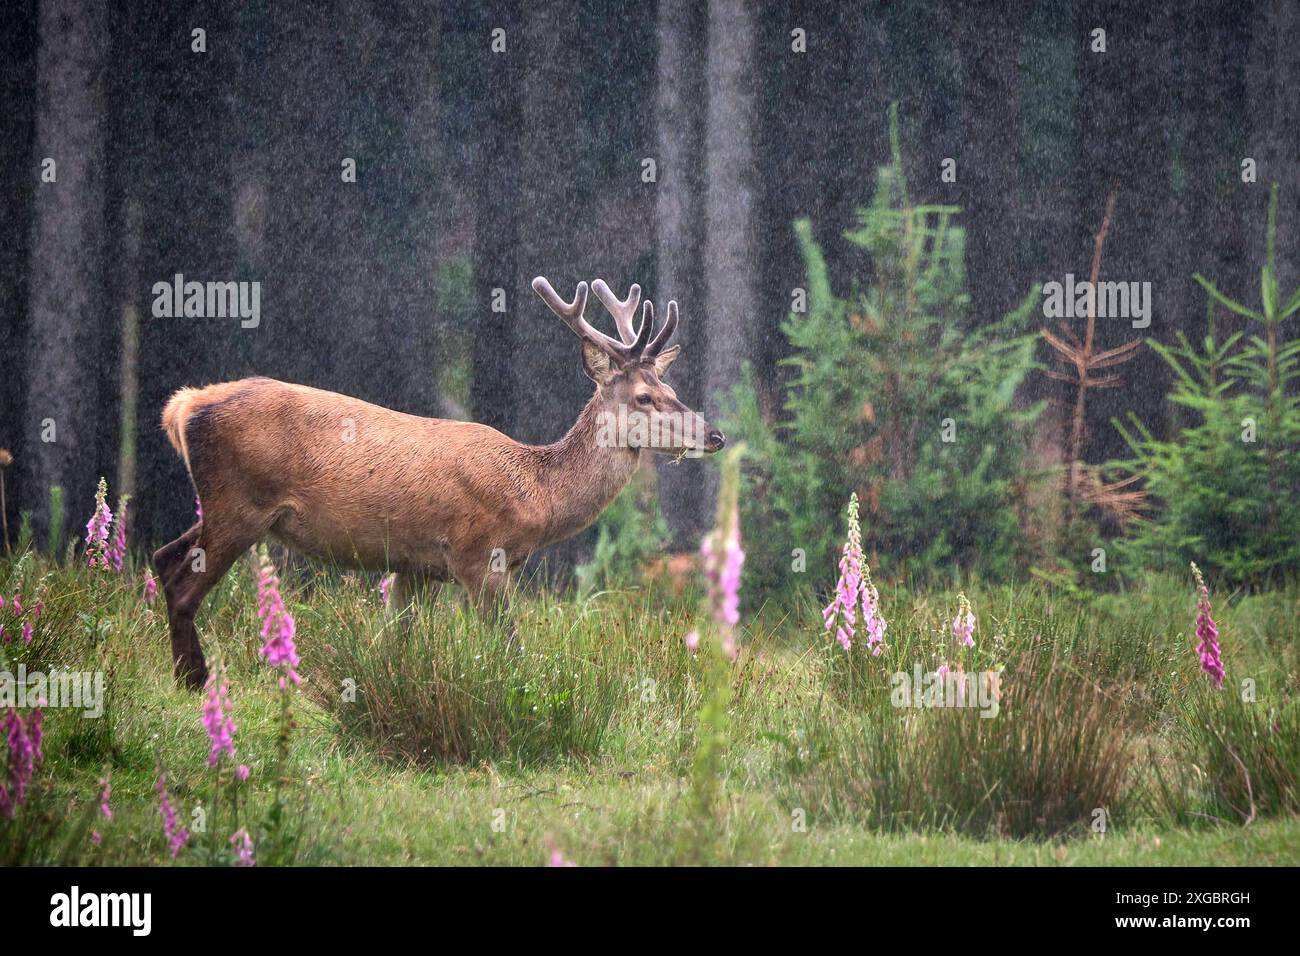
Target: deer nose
<point>716,440</point>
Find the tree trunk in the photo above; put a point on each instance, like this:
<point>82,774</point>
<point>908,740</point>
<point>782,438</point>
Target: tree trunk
<point>68,307</point>
<point>988,167</point>
<point>549,388</point>
<point>730,204</point>
<point>679,235</point>
<point>18,45</point>
<point>496,128</point>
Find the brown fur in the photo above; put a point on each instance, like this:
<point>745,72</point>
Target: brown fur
<point>366,487</point>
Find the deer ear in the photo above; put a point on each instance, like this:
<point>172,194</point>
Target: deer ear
<point>666,358</point>
<point>597,364</point>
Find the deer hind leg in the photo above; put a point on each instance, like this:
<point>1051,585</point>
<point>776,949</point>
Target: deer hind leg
<point>171,561</point>
<point>190,566</point>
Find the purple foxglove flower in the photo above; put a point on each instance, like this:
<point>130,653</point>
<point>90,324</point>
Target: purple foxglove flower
<point>243,844</point>
<point>963,625</point>
<point>1207,632</point>
<point>853,591</point>
<point>97,529</point>
<point>177,836</point>
<point>217,722</point>
<point>117,553</point>
<point>277,624</point>
<point>722,572</point>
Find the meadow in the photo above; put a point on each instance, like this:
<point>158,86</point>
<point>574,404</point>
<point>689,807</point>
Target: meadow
<point>417,737</point>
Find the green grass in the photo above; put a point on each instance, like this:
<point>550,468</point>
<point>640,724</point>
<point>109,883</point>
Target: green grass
<point>419,738</point>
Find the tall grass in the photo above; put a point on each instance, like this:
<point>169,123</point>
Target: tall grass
<point>1057,750</point>
<point>1231,759</point>
<point>437,684</point>
<point>1103,707</point>
<point>434,683</point>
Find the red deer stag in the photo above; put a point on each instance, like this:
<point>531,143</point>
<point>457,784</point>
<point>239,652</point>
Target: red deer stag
<point>367,487</point>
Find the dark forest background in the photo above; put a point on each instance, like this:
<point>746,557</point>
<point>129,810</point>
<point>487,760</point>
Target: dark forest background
<point>477,170</point>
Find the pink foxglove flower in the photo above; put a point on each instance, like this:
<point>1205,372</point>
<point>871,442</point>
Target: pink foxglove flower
<point>105,791</point>
<point>730,648</point>
<point>277,623</point>
<point>217,720</point>
<point>1208,633</point>
<point>722,566</point>
<point>556,858</point>
<point>386,589</point>
<point>177,836</point>
<point>23,736</point>
<point>853,592</point>
<point>241,772</point>
<point>97,529</point>
<point>243,844</point>
<point>723,559</point>
<point>117,553</point>
<point>150,586</point>
<point>963,625</point>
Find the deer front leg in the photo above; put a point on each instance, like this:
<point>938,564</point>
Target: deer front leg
<point>410,587</point>
<point>487,583</point>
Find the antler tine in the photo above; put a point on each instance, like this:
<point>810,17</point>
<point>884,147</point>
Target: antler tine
<point>569,311</point>
<point>572,314</point>
<point>637,346</point>
<point>665,333</point>
<point>623,311</point>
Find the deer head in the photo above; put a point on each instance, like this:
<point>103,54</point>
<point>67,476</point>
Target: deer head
<point>639,410</point>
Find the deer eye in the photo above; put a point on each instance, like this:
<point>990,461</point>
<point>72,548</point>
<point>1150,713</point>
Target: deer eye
<point>644,399</point>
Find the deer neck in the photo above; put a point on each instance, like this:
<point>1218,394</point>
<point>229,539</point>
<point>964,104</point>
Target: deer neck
<point>583,476</point>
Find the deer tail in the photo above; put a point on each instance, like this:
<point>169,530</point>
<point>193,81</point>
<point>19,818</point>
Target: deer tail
<point>175,414</point>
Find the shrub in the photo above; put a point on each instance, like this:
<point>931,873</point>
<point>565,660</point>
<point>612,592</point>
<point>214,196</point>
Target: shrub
<point>893,397</point>
<point>629,533</point>
<point>1225,487</point>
